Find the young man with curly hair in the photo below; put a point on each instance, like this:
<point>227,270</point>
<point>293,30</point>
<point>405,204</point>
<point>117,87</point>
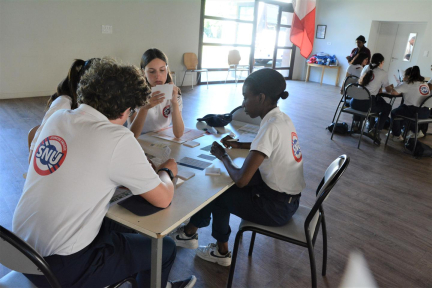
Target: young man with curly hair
<point>81,157</point>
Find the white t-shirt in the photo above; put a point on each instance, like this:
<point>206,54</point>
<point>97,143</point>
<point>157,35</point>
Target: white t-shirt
<point>379,80</point>
<point>160,116</point>
<point>354,70</point>
<point>413,93</point>
<point>282,169</point>
<point>74,171</point>
<point>61,102</point>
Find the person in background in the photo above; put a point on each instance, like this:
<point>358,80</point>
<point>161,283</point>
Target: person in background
<point>65,97</point>
<point>357,65</point>
<point>268,186</point>
<point>374,78</point>
<point>360,41</point>
<point>161,110</point>
<point>414,91</point>
<point>82,156</point>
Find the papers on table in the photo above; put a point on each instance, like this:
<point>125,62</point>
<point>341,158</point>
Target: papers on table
<point>168,134</point>
<point>120,194</point>
<point>157,152</point>
<point>249,128</point>
<point>194,163</point>
<point>167,89</point>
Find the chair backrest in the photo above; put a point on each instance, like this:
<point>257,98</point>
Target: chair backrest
<point>240,115</point>
<point>427,102</point>
<point>331,177</point>
<point>348,80</point>
<point>234,57</point>
<point>17,255</point>
<point>190,60</point>
<point>357,91</point>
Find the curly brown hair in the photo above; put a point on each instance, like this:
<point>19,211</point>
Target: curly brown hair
<point>111,87</point>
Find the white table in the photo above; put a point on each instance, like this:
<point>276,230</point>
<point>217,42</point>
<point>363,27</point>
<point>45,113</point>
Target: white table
<point>189,197</point>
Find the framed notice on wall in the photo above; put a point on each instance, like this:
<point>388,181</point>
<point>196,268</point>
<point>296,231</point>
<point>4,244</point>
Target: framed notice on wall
<point>321,31</point>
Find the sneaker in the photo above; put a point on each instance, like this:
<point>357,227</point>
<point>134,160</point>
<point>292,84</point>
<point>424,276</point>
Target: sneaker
<point>186,283</point>
<point>398,138</point>
<point>211,253</point>
<point>181,240</point>
<point>411,134</point>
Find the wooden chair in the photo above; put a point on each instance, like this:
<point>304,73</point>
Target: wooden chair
<point>233,63</point>
<point>303,228</point>
<point>19,256</point>
<point>190,60</point>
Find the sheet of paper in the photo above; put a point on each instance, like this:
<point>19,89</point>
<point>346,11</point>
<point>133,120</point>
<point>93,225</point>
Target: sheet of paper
<point>156,150</point>
<point>167,89</point>
<point>193,163</point>
<point>168,134</point>
<point>250,128</point>
<point>120,194</point>
<point>207,148</point>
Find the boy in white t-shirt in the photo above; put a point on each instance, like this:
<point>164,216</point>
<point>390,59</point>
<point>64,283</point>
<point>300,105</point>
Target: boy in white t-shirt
<point>414,91</point>
<point>268,185</point>
<point>81,157</point>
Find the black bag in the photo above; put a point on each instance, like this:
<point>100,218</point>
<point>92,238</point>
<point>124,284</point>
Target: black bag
<point>218,120</point>
<point>421,149</point>
<point>341,128</point>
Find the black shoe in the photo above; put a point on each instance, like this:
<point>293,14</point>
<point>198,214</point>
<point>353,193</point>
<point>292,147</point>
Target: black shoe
<point>186,283</point>
<point>376,137</point>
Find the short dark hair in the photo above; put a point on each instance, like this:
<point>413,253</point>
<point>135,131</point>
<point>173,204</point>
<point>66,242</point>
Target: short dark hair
<point>359,59</point>
<point>361,38</point>
<point>152,54</point>
<point>111,87</point>
<point>269,82</point>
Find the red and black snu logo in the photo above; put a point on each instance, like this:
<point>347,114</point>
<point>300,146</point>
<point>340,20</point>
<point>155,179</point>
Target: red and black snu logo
<point>166,111</point>
<point>49,155</point>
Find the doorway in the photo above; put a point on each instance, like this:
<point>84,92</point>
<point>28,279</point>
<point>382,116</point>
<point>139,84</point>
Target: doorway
<point>400,43</point>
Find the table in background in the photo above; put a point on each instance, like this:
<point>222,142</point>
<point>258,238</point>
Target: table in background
<point>189,197</point>
<point>309,65</point>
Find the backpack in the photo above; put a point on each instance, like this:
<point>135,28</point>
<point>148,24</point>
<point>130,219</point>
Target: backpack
<point>341,128</point>
<point>421,149</point>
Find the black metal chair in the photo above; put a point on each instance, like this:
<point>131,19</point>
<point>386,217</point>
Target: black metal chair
<point>348,80</point>
<point>359,92</point>
<point>427,102</point>
<point>303,228</point>
<point>19,256</point>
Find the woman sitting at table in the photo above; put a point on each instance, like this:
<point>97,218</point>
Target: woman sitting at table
<point>161,110</point>
<point>356,66</point>
<point>414,91</point>
<point>373,77</point>
<point>65,97</point>
<point>268,185</point>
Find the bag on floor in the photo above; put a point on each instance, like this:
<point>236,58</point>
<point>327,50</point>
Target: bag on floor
<point>421,149</point>
<point>341,128</point>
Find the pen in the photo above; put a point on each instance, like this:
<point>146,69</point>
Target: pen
<point>232,140</point>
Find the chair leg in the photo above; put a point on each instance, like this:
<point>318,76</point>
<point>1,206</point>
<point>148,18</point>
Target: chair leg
<point>227,76</point>
<point>361,133</point>
<point>252,243</point>
<point>415,137</point>
<point>183,78</point>
<point>192,78</point>
<point>324,234</point>
<point>388,134</point>
<point>334,126</point>
<point>337,109</point>
<point>207,78</point>
<point>312,264</point>
<point>234,258</point>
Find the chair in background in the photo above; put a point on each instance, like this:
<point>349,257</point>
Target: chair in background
<point>19,256</point>
<point>348,80</point>
<point>359,92</point>
<point>303,228</point>
<point>427,102</point>
<point>233,63</point>
<point>190,60</point>
<point>240,115</point>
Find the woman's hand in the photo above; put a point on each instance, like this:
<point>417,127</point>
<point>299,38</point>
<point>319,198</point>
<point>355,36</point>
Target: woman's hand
<point>175,94</point>
<point>156,98</point>
<point>230,144</point>
<point>217,150</point>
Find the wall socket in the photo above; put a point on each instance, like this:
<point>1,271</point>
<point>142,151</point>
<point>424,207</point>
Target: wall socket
<point>106,29</point>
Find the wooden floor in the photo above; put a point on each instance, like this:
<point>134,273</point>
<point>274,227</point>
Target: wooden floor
<point>382,206</point>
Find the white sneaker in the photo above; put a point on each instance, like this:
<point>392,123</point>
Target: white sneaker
<point>411,134</point>
<point>181,240</point>
<point>398,138</point>
<point>211,253</point>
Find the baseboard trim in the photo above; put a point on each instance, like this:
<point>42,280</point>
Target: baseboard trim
<point>15,95</point>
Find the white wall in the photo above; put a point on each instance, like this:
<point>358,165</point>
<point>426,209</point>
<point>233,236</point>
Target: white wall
<point>39,39</point>
<point>347,19</point>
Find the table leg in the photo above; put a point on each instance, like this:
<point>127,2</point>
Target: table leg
<point>307,73</point>
<point>337,76</point>
<point>322,74</point>
<point>156,262</point>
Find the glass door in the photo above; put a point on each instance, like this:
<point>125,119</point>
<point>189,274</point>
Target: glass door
<point>273,48</point>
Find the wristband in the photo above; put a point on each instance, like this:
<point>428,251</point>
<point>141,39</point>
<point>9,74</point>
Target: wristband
<point>170,174</point>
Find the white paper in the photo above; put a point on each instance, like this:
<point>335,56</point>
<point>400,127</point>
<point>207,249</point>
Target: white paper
<point>167,89</point>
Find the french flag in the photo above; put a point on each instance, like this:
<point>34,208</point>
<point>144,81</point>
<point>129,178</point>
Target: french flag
<point>303,26</point>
